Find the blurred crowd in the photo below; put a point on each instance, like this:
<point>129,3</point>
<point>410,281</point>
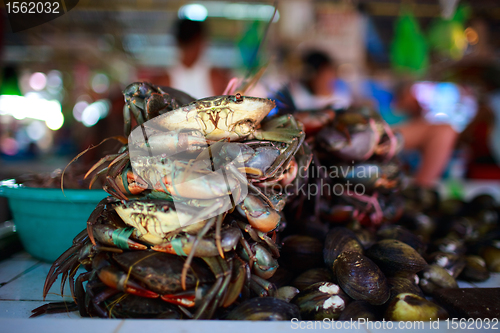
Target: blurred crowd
<point>450,122</point>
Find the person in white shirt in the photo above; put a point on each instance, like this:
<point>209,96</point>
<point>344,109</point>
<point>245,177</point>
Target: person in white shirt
<point>193,73</point>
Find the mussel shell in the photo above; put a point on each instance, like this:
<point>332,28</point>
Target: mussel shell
<point>300,253</point>
<point>338,240</point>
<point>421,199</point>
<point>491,256</point>
<point>282,277</point>
<point>450,244</point>
<point>487,217</point>
<point>435,277</point>
<point>404,235</point>
<point>312,276</point>
<point>321,300</point>
<point>421,224</point>
<point>358,310</point>
<point>452,207</point>
<point>361,278</point>
<point>286,293</point>
<point>365,237</point>
<point>264,308</point>
<point>465,228</point>
<point>400,285</point>
<point>410,307</point>
<point>452,263</point>
<point>475,269</point>
<point>482,201</point>
<point>393,256</point>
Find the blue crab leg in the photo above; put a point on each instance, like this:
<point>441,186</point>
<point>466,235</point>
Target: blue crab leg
<point>227,273</point>
<point>56,307</point>
<point>223,275</point>
<point>260,236</point>
<point>127,125</point>
<point>244,180</point>
<point>190,257</point>
<point>103,160</point>
<point>93,219</point>
<point>262,287</point>
<point>235,287</point>
<point>65,260</point>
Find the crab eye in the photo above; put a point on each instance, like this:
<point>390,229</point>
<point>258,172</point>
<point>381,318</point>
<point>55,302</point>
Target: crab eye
<point>239,98</point>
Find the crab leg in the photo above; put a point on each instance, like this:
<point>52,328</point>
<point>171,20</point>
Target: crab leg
<point>242,179</point>
<point>190,257</point>
<point>182,246</point>
<point>93,220</point>
<point>260,236</point>
<point>65,260</point>
<point>262,287</point>
<point>236,286</point>
<point>57,307</point>
<point>114,278</point>
<point>272,132</point>
<point>109,235</point>
<point>103,160</point>
<point>227,271</point>
<point>223,275</point>
<point>127,121</point>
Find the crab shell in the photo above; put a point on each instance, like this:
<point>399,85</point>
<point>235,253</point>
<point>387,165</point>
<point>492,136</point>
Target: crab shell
<point>230,117</point>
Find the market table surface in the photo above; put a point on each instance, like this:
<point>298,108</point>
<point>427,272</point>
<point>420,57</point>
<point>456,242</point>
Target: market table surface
<point>21,283</point>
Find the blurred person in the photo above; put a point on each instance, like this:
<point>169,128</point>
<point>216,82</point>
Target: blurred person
<point>318,93</point>
<point>435,140</point>
<point>193,73</point>
<point>319,86</point>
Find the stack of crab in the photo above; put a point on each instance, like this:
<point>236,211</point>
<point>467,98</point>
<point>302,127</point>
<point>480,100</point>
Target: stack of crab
<point>189,230</point>
<point>360,169</point>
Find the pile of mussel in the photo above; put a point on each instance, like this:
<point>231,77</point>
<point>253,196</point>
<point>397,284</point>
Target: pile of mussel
<point>196,193</point>
<point>384,253</point>
<point>392,273</point>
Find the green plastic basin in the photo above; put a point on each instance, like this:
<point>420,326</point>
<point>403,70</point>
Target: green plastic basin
<point>47,219</point>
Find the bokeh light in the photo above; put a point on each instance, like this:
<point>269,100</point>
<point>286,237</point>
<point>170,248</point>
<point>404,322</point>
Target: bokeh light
<point>9,146</point>
<point>95,111</point>
<point>36,130</point>
<point>193,12</point>
<point>472,36</point>
<point>38,81</point>
<point>33,106</point>
<point>54,79</point>
<point>78,109</point>
<point>100,83</point>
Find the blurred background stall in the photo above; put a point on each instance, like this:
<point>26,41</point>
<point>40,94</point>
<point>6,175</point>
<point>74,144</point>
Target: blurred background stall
<point>62,80</point>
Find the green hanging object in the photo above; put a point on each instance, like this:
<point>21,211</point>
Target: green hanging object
<point>10,82</point>
<point>447,36</point>
<point>249,45</point>
<point>409,49</point>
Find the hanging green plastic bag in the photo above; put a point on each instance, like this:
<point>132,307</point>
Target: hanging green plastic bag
<point>447,36</point>
<point>409,52</point>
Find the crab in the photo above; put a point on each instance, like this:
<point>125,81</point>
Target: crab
<point>120,261</point>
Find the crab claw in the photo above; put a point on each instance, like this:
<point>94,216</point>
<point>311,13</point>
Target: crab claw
<point>114,278</point>
<point>259,214</point>
<point>109,235</point>
<point>186,298</point>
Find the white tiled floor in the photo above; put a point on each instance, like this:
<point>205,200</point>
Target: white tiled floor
<point>21,283</point>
